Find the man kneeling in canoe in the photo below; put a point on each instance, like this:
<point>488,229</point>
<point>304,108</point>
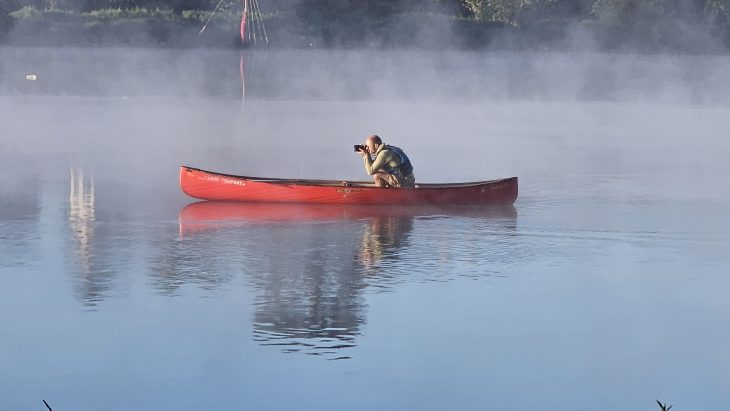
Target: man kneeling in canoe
<point>389,165</point>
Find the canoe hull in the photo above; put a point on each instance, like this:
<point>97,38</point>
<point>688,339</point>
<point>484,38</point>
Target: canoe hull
<point>207,185</point>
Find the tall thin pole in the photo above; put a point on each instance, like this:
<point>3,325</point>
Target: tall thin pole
<point>244,17</point>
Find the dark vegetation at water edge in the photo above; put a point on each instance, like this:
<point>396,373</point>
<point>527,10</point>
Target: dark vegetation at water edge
<point>657,25</point>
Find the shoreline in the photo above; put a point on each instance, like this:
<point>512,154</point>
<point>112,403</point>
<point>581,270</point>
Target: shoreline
<point>425,31</point>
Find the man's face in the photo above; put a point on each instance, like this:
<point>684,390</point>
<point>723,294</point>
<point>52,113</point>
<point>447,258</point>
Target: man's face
<point>371,146</point>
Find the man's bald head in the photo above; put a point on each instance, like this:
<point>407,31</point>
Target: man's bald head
<point>374,139</point>
<point>372,143</point>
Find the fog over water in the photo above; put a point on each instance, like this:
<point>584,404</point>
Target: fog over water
<point>604,287</point>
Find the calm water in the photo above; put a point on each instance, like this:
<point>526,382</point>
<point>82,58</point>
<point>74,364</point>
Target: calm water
<point>604,287</point>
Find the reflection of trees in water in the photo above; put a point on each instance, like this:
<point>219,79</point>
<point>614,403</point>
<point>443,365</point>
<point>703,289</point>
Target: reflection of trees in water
<point>454,243</point>
<point>99,248</point>
<point>93,281</point>
<point>309,277</point>
<point>383,239</point>
<point>312,285</point>
<point>309,288</point>
<point>81,213</point>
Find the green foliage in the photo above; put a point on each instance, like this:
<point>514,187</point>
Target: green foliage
<point>512,12</point>
<point>7,6</point>
<point>26,12</point>
<point>630,12</point>
<point>718,11</point>
<point>634,13</point>
<point>131,13</point>
<point>476,8</point>
<point>226,17</point>
<point>668,24</point>
<point>195,15</point>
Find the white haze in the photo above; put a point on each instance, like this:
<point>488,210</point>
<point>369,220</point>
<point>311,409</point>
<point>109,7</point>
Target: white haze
<point>655,123</point>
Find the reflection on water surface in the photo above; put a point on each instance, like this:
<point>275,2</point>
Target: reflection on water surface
<point>93,280</point>
<point>310,264</point>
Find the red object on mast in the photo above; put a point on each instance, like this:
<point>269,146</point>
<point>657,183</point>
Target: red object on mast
<point>244,17</point>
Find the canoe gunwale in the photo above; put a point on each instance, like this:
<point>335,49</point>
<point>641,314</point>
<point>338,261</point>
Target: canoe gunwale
<point>345,183</point>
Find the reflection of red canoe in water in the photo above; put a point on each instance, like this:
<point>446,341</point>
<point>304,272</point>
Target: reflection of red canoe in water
<point>205,215</point>
<point>208,185</point>
<point>230,211</point>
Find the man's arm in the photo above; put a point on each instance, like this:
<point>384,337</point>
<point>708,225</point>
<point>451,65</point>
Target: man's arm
<point>373,166</point>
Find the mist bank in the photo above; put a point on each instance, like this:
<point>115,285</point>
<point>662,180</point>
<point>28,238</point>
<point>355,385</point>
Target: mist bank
<point>597,25</point>
<point>364,75</point>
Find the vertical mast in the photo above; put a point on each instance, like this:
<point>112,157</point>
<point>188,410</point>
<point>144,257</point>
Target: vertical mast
<point>244,18</point>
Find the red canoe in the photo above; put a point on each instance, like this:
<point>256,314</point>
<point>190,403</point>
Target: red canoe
<point>208,185</point>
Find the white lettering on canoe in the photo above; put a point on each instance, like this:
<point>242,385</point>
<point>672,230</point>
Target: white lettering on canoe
<point>224,180</point>
<point>232,181</point>
<point>494,187</point>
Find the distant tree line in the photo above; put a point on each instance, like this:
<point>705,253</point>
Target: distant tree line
<point>691,25</point>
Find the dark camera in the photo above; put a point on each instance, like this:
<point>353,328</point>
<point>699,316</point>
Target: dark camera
<point>360,147</point>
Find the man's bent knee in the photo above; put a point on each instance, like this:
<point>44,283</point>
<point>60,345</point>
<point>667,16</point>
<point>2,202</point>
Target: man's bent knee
<point>382,180</point>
